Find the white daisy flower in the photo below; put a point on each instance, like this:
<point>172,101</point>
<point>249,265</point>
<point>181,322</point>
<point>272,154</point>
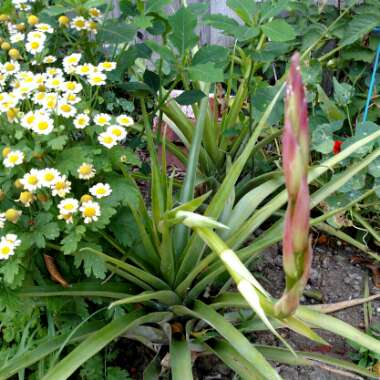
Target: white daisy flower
<point>85,69</point>
<point>55,82</point>
<point>31,181</point>
<point>101,190</point>
<point>102,119</point>
<point>71,87</point>
<point>44,28</point>
<point>71,61</point>
<point>78,23</point>
<point>17,37</point>
<point>11,67</point>
<point>34,47</point>
<point>6,250</point>
<point>66,110</point>
<point>36,36</point>
<point>86,171</point>
<point>97,79</point>
<point>14,158</point>
<point>107,66</point>
<point>107,139</point>
<point>12,238</point>
<point>49,176</point>
<point>119,132</point>
<point>68,218</point>
<point>68,206</point>
<point>81,121</point>
<point>61,187</point>
<point>49,59</point>
<point>124,120</point>
<point>43,125</point>
<point>90,211</point>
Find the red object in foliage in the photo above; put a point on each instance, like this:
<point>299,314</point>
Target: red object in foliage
<point>337,146</point>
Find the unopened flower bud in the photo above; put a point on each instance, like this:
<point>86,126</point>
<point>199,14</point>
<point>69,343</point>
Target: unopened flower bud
<point>86,198</point>
<point>26,198</point>
<point>12,215</point>
<point>63,20</point>
<point>6,151</point>
<point>18,184</point>
<point>20,27</point>
<point>2,195</point>
<point>14,54</point>
<point>42,197</point>
<point>33,20</point>
<point>4,17</point>
<point>5,46</point>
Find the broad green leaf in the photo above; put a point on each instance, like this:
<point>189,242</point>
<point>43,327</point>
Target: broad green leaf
<point>58,143</point>
<point>332,112</point>
<point>245,9</point>
<point>156,5</point>
<point>71,241</point>
<point>206,73</point>
<point>279,31</point>
<point>231,27</point>
<point>211,54</point>
<point>183,23</point>
<point>360,25</point>
<point>343,93</point>
<point>164,52</point>
<point>190,97</point>
<point>374,168</point>
<point>56,10</point>
<point>322,141</point>
<point>116,32</point>
<point>93,264</point>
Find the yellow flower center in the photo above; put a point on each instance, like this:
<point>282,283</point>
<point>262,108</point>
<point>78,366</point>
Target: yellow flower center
<point>65,108</point>
<point>89,212</point>
<point>68,206</point>
<point>85,169</point>
<point>101,191</point>
<point>107,139</point>
<point>13,158</point>
<point>79,23</point>
<point>35,45</point>
<point>43,125</point>
<point>5,250</point>
<point>32,180</point>
<point>116,132</point>
<point>49,177</point>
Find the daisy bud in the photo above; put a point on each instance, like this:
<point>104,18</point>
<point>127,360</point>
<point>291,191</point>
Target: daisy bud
<point>20,27</point>
<point>14,54</point>
<point>2,195</point>
<point>86,198</point>
<point>297,254</point>
<point>5,46</point>
<point>26,198</point>
<point>12,215</point>
<point>18,184</point>
<point>4,17</point>
<point>33,20</point>
<point>63,20</point>
<point>6,151</point>
<point>42,197</point>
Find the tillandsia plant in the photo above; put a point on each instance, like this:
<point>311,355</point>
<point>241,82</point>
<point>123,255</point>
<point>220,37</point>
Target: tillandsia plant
<point>183,307</point>
<point>297,251</point>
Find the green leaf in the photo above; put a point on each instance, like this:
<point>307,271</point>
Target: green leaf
<point>56,10</point>
<point>9,270</point>
<point>211,54</point>
<point>71,241</point>
<point>92,263</point>
<point>100,339</point>
<point>58,143</point>
<point>206,73</point>
<point>360,25</point>
<point>116,32</point>
<point>143,22</point>
<point>230,27</point>
<point>164,52</point>
<point>322,141</point>
<point>69,160</point>
<point>124,227</point>
<point>183,23</point>
<point>374,168</point>
<point>245,9</point>
<point>43,232</point>
<point>332,112</point>
<point>342,93</point>
<point>279,31</point>
<point>180,359</point>
<point>156,5</point>
<point>190,97</point>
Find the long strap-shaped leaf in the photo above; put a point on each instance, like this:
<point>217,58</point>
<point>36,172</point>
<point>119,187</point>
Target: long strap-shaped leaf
<point>180,359</point>
<point>167,297</point>
<point>237,340</point>
<point>97,341</point>
<point>234,360</point>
